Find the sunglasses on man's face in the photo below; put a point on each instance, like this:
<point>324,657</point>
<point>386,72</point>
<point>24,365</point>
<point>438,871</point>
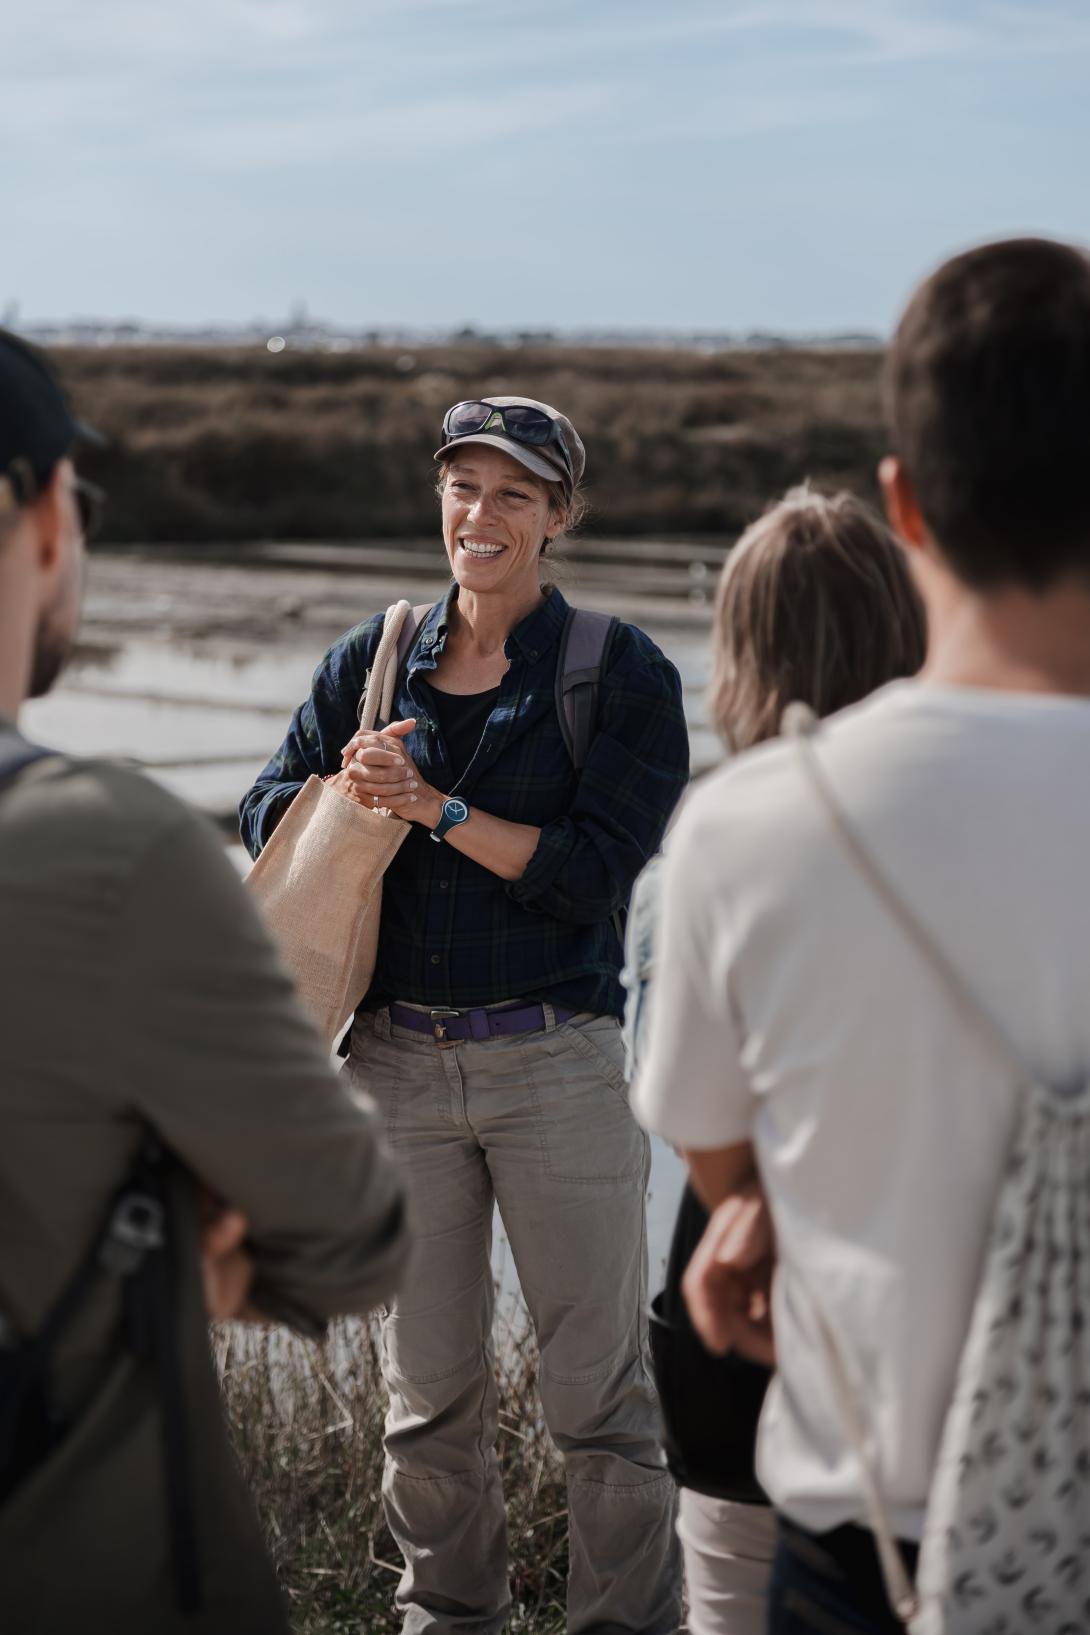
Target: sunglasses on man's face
<point>90,500</point>
<point>522,425</point>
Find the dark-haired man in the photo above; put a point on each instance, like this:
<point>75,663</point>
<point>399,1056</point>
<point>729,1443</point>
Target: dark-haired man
<point>149,1037</point>
<point>794,1019</point>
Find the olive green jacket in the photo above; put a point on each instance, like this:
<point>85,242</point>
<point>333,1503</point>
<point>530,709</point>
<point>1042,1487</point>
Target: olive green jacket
<point>138,988</point>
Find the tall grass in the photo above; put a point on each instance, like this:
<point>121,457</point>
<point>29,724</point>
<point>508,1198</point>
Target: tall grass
<point>307,1425</point>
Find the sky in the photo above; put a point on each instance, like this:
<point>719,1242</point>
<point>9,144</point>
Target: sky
<point>712,165</point>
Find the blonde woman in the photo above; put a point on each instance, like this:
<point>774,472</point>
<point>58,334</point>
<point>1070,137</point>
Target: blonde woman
<point>815,604</point>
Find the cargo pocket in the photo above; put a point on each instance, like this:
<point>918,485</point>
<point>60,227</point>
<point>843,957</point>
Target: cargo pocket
<point>587,1132</point>
<point>587,1041</point>
<point>374,1068</point>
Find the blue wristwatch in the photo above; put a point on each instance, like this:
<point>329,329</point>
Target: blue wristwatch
<point>454,812</point>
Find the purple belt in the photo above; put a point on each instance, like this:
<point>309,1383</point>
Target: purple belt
<point>448,1026</point>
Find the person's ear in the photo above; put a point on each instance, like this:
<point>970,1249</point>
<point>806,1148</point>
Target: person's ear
<point>51,508</point>
<point>556,522</point>
<point>902,508</point>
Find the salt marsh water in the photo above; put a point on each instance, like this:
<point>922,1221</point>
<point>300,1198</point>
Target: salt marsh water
<point>189,668</point>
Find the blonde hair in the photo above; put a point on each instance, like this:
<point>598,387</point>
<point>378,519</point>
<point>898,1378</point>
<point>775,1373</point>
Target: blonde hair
<point>815,605</point>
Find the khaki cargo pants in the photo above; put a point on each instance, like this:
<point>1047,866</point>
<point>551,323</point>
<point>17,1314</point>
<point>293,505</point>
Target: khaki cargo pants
<point>538,1124</point>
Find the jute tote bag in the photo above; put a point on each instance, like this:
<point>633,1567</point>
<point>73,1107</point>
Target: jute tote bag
<point>318,881</point>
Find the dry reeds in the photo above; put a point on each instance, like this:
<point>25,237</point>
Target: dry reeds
<point>232,444</point>
<point>307,1425</point>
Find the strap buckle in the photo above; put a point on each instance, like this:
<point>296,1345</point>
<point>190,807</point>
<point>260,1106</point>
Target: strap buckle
<point>439,1019</point>
<point>136,1228</point>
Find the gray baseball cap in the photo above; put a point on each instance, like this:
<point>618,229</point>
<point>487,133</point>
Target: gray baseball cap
<point>558,457</point>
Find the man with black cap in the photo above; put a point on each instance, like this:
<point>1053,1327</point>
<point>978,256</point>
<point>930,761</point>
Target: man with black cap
<point>150,1038</point>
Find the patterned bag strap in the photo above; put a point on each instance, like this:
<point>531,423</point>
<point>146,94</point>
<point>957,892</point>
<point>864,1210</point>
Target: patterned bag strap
<point>798,725</point>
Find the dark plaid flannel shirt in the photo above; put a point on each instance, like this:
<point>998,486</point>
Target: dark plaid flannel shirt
<point>452,933</point>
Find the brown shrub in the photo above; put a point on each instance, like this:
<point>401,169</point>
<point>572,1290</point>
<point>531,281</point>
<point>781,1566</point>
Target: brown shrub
<point>233,444</point>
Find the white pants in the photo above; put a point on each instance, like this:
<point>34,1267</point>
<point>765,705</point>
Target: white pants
<point>728,1561</point>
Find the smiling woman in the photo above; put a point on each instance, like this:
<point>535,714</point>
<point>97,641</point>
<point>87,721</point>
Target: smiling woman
<point>462,472</point>
<point>490,1037</point>
<point>497,519</point>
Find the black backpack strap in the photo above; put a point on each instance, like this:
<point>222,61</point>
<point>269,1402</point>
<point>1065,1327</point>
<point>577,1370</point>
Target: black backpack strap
<point>144,1251</point>
<point>136,1245</point>
<point>16,754</point>
<point>584,642</point>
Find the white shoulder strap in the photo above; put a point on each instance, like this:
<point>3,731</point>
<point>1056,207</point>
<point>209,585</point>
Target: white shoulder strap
<point>798,725</point>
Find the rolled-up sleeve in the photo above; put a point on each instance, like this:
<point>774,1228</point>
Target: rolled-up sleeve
<point>319,729</point>
<point>585,862</point>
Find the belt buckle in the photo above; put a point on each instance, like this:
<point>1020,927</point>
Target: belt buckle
<point>439,1018</point>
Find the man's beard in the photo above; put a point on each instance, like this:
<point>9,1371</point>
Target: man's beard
<point>51,649</point>
<point>58,625</point>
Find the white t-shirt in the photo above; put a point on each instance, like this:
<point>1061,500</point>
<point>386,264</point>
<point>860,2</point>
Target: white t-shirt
<point>790,1009</point>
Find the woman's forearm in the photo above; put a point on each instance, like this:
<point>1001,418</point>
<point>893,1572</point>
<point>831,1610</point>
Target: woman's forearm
<point>379,770</point>
<point>718,1173</point>
<point>502,847</point>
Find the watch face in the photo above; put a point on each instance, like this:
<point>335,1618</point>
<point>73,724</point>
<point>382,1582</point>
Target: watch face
<point>455,811</point>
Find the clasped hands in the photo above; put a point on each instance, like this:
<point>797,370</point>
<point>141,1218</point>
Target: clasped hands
<point>378,771</point>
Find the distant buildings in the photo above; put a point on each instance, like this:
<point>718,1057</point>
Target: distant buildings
<point>303,333</point>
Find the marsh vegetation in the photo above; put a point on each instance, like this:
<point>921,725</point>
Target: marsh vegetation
<point>239,445</point>
<point>307,1425</point>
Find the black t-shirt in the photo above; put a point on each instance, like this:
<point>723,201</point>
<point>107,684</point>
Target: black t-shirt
<point>461,719</point>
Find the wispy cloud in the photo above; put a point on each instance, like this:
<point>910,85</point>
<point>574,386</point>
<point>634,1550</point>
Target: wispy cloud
<point>438,128</point>
<point>327,74</point>
<point>305,138</point>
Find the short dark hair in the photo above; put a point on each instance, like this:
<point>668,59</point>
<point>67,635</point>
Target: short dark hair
<point>988,395</point>
<point>815,606</point>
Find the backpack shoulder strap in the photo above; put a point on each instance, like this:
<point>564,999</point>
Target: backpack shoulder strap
<point>799,724</point>
<point>584,642</point>
<point>16,754</point>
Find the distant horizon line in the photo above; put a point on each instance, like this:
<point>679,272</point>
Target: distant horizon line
<point>306,334</point>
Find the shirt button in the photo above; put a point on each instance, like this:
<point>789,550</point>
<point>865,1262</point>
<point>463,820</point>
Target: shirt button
<point>443,884</point>
<point>534,654</point>
<point>435,959</point>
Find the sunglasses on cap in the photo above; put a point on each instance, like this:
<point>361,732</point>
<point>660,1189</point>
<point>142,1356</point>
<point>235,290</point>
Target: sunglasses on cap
<point>521,424</point>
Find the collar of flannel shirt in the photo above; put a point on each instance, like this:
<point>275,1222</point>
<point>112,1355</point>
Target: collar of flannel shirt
<point>530,638</point>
